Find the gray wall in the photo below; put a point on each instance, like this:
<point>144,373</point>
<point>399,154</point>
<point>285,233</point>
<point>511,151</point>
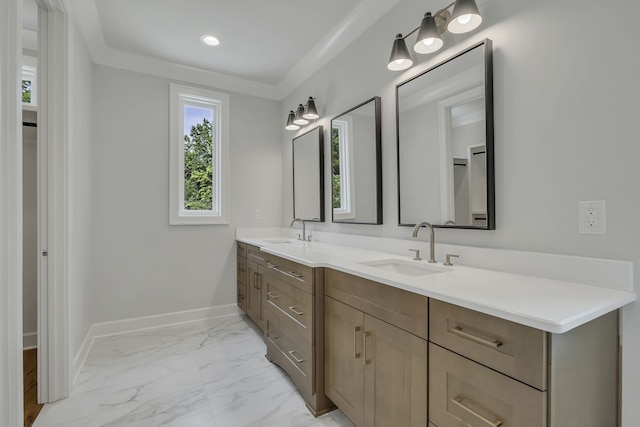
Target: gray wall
<point>29,229</point>
<point>81,194</point>
<point>141,265</point>
<point>566,94</point>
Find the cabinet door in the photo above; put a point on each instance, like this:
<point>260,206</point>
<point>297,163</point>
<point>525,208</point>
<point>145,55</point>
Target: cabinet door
<point>254,295</point>
<point>395,376</point>
<point>343,353</point>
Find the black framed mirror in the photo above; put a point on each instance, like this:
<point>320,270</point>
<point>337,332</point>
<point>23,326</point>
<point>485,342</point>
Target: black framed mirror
<point>356,165</point>
<point>444,119</point>
<point>308,175</point>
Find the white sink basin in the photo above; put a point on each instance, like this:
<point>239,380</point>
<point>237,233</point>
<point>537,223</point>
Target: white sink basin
<point>279,241</point>
<point>408,268</point>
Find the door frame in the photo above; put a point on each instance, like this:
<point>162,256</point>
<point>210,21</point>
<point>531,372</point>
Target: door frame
<point>11,400</point>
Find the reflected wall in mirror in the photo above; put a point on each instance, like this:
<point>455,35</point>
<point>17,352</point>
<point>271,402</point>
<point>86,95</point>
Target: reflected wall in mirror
<point>308,176</point>
<point>445,143</point>
<point>356,165</point>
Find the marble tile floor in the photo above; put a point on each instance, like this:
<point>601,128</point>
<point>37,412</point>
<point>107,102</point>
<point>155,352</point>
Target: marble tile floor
<point>209,373</point>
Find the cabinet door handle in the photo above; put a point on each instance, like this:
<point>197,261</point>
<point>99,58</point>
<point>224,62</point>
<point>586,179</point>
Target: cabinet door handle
<point>294,274</point>
<point>460,332</point>
<point>293,308</point>
<point>364,346</point>
<point>272,295</point>
<point>271,335</point>
<point>355,342</point>
<point>255,280</point>
<point>293,354</point>
<point>458,402</point>
<point>259,281</point>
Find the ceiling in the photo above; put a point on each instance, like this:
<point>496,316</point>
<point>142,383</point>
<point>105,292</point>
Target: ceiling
<point>266,48</point>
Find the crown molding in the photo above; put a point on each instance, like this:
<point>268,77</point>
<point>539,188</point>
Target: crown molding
<point>352,26</point>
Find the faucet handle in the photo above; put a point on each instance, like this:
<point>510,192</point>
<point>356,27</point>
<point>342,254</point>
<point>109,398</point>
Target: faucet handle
<point>448,260</point>
<point>309,238</point>
<point>417,257</point>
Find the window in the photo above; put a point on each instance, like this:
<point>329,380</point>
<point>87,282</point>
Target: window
<point>29,85</point>
<point>342,169</point>
<point>199,147</point>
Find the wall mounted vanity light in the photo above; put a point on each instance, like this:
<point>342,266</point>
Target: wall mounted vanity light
<point>465,17</point>
<point>302,115</point>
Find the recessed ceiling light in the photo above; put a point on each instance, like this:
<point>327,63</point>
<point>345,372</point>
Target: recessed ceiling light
<point>209,40</point>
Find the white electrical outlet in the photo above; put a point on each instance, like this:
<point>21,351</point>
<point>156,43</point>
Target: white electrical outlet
<point>591,217</point>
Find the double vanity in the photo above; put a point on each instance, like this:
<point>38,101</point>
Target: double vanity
<point>394,341</point>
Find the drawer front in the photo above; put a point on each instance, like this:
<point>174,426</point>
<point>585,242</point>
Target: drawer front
<point>463,393</point>
<point>242,296</point>
<point>297,351</point>
<point>290,272</point>
<point>401,308</point>
<point>291,305</point>
<point>242,250</point>
<point>242,270</point>
<point>256,255</point>
<point>513,349</point>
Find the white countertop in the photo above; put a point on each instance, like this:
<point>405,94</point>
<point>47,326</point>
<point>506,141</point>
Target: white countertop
<point>551,305</point>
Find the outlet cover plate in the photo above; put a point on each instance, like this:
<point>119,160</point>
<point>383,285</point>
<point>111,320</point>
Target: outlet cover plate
<point>592,217</point>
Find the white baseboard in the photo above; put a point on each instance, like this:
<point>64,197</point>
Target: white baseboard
<point>29,340</point>
<point>98,330</point>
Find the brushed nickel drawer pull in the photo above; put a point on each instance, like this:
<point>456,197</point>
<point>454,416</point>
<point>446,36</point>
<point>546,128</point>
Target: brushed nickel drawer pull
<point>292,353</point>
<point>364,345</point>
<point>272,295</point>
<point>355,333</point>
<point>270,335</point>
<point>293,274</point>
<point>458,402</point>
<point>255,280</point>
<point>458,331</point>
<point>293,308</point>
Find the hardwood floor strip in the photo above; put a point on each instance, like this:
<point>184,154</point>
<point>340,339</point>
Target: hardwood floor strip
<point>30,378</point>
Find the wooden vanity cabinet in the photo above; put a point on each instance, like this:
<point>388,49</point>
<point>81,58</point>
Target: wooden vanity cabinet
<point>256,264</point>
<point>294,327</point>
<point>375,364</point>
<point>242,276</point>
<point>487,371</point>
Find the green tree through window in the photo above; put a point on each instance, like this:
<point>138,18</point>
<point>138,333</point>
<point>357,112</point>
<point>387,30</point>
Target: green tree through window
<point>26,91</point>
<point>198,167</point>
<point>335,167</point>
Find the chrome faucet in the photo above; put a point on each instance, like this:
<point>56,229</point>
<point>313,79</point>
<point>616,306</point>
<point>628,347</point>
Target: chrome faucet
<point>304,231</point>
<point>432,239</point>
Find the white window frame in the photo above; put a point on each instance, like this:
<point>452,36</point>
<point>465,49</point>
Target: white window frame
<point>347,209</point>
<point>181,96</point>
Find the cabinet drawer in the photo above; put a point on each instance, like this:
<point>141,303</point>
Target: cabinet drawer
<point>296,351</point>
<point>242,270</point>
<point>291,305</point>
<point>256,255</point>
<point>401,308</point>
<point>242,250</point>
<point>463,393</point>
<point>513,349</point>
<point>242,296</point>
<point>290,272</point>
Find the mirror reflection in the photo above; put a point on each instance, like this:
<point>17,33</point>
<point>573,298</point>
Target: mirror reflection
<point>445,143</point>
<point>308,176</point>
<point>356,176</point>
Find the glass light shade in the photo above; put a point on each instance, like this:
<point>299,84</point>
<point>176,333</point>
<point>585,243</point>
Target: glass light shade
<point>290,125</point>
<point>465,17</point>
<point>311,111</point>
<point>298,119</point>
<point>429,39</point>
<point>400,58</point>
